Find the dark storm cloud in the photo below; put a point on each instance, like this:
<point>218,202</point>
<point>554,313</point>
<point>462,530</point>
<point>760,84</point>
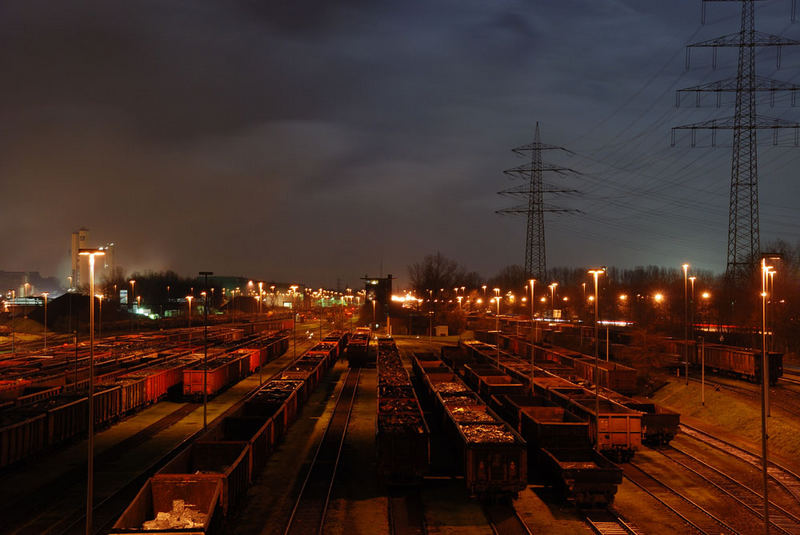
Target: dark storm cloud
<point>310,140</point>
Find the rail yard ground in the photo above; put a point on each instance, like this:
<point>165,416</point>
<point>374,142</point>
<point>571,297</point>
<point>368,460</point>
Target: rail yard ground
<point>656,492</point>
<point>736,413</point>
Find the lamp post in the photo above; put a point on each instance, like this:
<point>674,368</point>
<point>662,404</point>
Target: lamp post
<point>691,303</point>
<point>205,275</point>
<point>497,323</point>
<point>686,321</point>
<point>552,287</point>
<point>100,315</point>
<point>293,289</point>
<point>13,308</point>
<point>260,296</point>
<point>45,294</point>
<point>132,282</point>
<point>91,253</point>
<point>189,302</point>
<point>583,303</point>
<point>764,387</point>
<point>532,284</point>
<point>771,313</point>
<point>596,273</point>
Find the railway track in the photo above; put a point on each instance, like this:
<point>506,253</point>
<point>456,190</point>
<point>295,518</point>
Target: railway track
<point>406,514</point>
<point>794,379</point>
<point>505,520</point>
<point>697,517</point>
<point>783,398</point>
<point>308,514</point>
<point>606,522</point>
<point>751,392</point>
<point>781,520</point>
<point>783,477</point>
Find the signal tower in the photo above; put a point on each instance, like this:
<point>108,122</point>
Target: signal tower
<point>533,190</point>
<point>744,241</point>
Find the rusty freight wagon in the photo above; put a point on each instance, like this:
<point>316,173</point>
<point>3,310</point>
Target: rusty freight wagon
<point>561,453</point>
<point>611,375</point>
<point>22,434</point>
<point>493,456</point>
<point>174,501</point>
<point>659,424</point>
<point>258,432</point>
<point>357,349</point>
<point>402,437</point>
<point>227,462</point>
<point>620,428</point>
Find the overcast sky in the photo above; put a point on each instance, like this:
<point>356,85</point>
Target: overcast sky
<point>318,140</point>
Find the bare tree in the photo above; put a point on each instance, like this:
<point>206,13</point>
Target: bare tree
<point>434,272</point>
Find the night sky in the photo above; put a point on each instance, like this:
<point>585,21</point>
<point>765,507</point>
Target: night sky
<point>315,141</point>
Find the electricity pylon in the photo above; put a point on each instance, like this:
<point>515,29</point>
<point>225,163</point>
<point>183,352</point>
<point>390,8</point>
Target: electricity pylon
<point>744,242</point>
<point>533,190</point>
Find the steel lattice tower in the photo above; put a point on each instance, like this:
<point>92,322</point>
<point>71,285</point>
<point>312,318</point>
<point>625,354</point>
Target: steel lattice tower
<point>533,189</point>
<point>743,216</point>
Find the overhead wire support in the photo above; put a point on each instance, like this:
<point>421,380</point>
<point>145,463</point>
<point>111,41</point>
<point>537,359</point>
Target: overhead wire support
<point>743,214</point>
<point>534,189</point>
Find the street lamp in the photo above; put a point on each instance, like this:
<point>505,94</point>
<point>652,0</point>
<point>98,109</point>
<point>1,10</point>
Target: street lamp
<point>189,301</point>
<point>91,253</point>
<point>771,301</point>
<point>596,273</point>
<point>133,289</point>
<point>764,385</point>
<point>293,289</point>
<point>497,323</point>
<point>552,287</point>
<point>45,294</point>
<point>686,320</point>
<point>100,315</point>
<point>260,295</point>
<point>11,311</point>
<point>532,285</point>
<point>205,275</point>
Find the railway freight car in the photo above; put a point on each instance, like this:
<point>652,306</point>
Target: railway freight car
<point>170,503</point>
<point>659,424</point>
<point>739,362</point>
<point>357,350</point>
<point>257,431</point>
<point>493,455</point>
<point>339,338</point>
<point>616,429</point>
<point>217,375</point>
<point>402,437</point>
<point>227,462</point>
<point>560,451</point>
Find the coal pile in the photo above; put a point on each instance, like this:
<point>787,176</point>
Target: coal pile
<point>487,434</point>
